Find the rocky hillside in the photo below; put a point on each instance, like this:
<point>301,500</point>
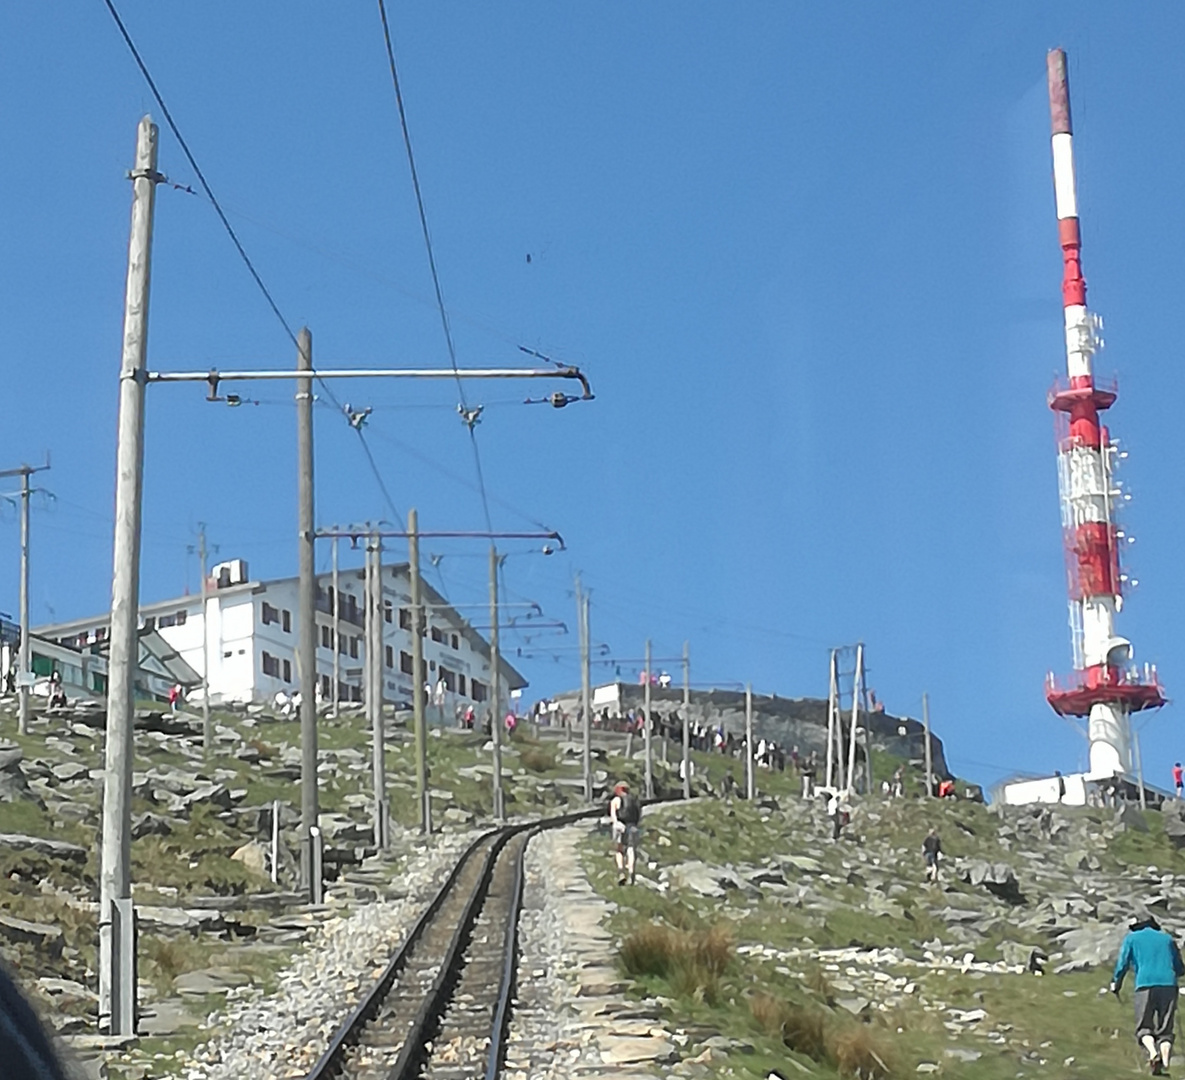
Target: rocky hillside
<point>774,947</point>
<point>800,722</point>
<point>212,922</point>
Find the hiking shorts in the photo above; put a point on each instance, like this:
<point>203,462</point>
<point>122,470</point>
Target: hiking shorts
<point>625,836</point>
<point>1156,1009</point>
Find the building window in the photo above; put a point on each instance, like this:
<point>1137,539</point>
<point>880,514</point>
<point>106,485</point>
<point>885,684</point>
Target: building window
<point>326,686</point>
<point>271,665</point>
<point>386,611</point>
<point>287,621</point>
<point>404,619</point>
<point>270,614</point>
<point>405,663</point>
<point>341,644</point>
<point>288,671</point>
<point>326,637</point>
<point>437,634</point>
<point>461,685</point>
<point>456,642</point>
<point>354,643</point>
<point>390,656</point>
<point>448,678</point>
<point>176,619</point>
<point>477,690</point>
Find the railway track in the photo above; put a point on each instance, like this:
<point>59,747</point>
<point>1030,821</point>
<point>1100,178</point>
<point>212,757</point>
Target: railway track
<point>441,1007</point>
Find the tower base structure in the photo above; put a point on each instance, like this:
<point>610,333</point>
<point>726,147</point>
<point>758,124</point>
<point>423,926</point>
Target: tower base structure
<point>1079,789</point>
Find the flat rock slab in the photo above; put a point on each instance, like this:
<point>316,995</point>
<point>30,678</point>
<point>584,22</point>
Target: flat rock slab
<point>627,1051</point>
<point>57,848</point>
<point>166,1018</point>
<point>30,933</point>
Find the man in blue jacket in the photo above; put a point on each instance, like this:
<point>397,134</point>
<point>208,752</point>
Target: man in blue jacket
<point>1153,956</point>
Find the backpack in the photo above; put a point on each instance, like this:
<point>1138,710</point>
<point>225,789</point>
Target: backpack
<point>630,810</point>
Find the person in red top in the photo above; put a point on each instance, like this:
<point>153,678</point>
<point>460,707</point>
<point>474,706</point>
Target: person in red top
<point>1178,778</point>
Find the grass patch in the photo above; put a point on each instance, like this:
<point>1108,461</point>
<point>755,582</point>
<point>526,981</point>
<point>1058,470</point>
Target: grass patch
<point>537,759</point>
<point>690,961</point>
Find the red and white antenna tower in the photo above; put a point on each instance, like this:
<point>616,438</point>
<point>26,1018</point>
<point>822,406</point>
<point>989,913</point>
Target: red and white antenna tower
<point>1106,686</point>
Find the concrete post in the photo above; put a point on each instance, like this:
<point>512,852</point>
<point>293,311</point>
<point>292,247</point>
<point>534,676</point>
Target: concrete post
<point>750,784</point>
<point>928,751</point>
<point>417,683</point>
<point>306,644</point>
<point>117,987</point>
<point>649,785</point>
<point>585,690</point>
<point>496,691</point>
<point>337,652</point>
<point>374,685</point>
<point>23,667</point>
<point>207,725</point>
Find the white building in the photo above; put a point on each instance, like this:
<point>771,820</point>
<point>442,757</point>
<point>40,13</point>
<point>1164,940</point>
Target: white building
<point>251,637</point>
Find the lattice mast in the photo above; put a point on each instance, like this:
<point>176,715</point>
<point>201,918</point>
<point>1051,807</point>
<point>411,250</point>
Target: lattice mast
<point>1106,687</point>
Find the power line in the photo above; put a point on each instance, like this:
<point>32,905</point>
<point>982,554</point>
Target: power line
<point>234,236</point>
<point>470,416</point>
<point>198,172</point>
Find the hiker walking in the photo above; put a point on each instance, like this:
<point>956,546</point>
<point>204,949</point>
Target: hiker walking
<point>1178,779</point>
<point>809,768</point>
<point>931,853</point>
<point>899,782</point>
<point>625,814</point>
<point>174,696</point>
<point>839,812</point>
<point>1156,961</point>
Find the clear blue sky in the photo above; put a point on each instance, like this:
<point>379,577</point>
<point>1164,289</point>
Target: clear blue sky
<point>807,254</point>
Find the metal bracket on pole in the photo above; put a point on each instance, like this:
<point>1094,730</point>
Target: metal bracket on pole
<point>316,866</point>
<point>118,932</point>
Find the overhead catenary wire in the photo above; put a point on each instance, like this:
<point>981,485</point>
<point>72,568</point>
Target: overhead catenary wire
<point>201,177</point>
<point>255,275</point>
<point>468,414</point>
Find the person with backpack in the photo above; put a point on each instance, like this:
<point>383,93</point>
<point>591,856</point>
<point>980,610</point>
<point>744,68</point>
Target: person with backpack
<point>625,814</point>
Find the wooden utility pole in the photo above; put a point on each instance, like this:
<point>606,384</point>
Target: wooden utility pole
<point>649,784</point>
<point>306,643</point>
<point>207,724</point>
<point>686,720</point>
<point>495,691</point>
<point>117,934</point>
<point>417,662</point>
<point>750,783</point>
<point>928,752</point>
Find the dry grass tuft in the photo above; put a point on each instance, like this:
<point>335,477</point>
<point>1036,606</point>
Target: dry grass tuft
<point>858,1052</point>
<point>816,979</point>
<point>801,1029</point>
<point>692,960</point>
<point>537,759</point>
<point>650,950</point>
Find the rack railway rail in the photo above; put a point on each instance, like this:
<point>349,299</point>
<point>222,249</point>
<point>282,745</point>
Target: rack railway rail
<point>441,1007</point>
